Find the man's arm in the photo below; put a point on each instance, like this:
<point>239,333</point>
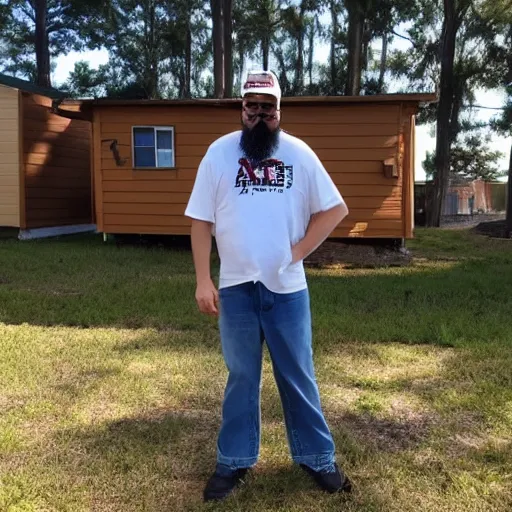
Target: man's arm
<point>320,227</point>
<point>207,296</point>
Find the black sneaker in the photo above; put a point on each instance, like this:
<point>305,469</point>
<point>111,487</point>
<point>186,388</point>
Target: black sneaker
<point>330,482</point>
<point>219,485</point>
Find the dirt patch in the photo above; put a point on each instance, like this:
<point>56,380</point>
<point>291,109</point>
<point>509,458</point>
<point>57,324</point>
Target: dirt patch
<point>494,229</point>
<point>390,435</point>
<point>357,256</point>
<point>469,221</point>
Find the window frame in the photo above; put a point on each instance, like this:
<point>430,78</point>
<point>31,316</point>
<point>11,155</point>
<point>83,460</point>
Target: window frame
<point>156,128</point>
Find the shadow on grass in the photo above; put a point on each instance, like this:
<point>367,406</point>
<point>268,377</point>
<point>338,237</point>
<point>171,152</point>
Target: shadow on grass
<point>360,434</point>
<point>162,460</point>
<point>138,288</point>
<point>187,340</point>
<point>84,382</point>
<point>464,393</point>
<point>82,282</point>
<point>380,434</point>
<point>158,461</point>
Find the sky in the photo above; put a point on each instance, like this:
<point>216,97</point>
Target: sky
<point>424,140</point>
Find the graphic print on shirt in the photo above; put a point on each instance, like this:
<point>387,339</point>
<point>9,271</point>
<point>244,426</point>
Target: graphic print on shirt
<point>270,175</point>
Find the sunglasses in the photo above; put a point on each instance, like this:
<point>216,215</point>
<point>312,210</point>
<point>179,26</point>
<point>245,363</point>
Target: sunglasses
<point>264,106</point>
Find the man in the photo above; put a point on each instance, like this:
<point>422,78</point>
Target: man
<point>269,202</point>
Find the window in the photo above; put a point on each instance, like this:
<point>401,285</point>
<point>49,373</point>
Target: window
<point>153,146</point>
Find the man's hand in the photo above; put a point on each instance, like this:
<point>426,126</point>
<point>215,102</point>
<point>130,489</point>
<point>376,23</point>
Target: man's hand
<point>320,226</point>
<point>207,298</point>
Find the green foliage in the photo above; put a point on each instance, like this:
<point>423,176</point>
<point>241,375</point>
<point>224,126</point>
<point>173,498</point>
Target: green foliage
<point>64,21</point>
<point>470,159</point>
<point>147,43</point>
<point>163,48</point>
<point>497,10</point>
<point>84,82</point>
<point>474,160</point>
<point>503,124</point>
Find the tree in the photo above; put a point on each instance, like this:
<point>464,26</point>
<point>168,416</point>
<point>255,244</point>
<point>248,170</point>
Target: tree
<point>245,38</point>
<point>369,20</point>
<point>470,159</point>
<point>222,27</point>
<point>84,82</point>
<point>188,41</point>
<point>503,125</point>
<point>256,23</point>
<point>134,32</point>
<point>227,11</point>
<point>454,13</point>
<point>218,43</point>
<point>5,9</point>
<point>499,12</point>
<point>335,40</point>
<point>296,31</point>
<point>356,10</point>
<point>294,24</point>
<point>457,60</point>
<point>314,31</point>
<point>35,31</point>
<point>42,43</point>
<point>157,48</point>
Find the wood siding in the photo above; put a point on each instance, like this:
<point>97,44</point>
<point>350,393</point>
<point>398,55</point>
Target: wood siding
<point>9,158</point>
<point>57,171</point>
<point>353,142</point>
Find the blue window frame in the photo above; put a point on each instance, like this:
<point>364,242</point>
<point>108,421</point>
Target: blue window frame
<point>153,147</point>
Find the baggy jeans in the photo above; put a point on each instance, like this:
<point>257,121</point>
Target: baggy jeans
<point>250,314</point>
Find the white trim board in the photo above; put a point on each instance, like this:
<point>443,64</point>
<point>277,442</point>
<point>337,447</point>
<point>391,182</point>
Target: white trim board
<point>32,234</point>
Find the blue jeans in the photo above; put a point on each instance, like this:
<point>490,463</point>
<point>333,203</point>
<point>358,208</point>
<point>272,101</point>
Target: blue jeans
<point>250,314</point>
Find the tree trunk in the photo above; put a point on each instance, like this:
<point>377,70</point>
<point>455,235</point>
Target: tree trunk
<point>283,80</point>
<point>444,111</point>
<point>265,50</point>
<point>42,44</point>
<point>188,59</point>
<point>366,44</point>
<point>299,70</point>
<point>311,49</point>
<point>355,48</point>
<point>508,224</point>
<point>458,95</point>
<point>241,60</point>
<point>383,63</point>
<point>508,80</point>
<point>227,18</point>
<point>153,65</point>
<point>218,51</point>
<point>332,56</point>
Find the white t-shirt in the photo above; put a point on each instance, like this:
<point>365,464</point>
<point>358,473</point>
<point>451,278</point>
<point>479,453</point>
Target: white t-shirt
<point>259,214</point>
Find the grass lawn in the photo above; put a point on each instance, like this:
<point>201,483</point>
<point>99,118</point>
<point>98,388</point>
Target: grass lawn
<point>111,382</point>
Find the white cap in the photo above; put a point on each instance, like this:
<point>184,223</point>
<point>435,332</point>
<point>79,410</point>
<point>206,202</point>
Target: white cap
<point>262,82</point>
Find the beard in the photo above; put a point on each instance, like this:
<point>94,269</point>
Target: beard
<point>258,143</point>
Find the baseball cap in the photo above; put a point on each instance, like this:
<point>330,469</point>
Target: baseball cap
<point>262,82</point>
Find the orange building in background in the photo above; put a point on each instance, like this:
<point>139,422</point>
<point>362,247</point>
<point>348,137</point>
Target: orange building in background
<point>146,154</point>
<point>45,172</point>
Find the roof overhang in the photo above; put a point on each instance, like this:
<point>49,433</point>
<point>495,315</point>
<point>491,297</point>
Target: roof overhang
<point>85,107</point>
<point>301,100</point>
<point>25,86</point>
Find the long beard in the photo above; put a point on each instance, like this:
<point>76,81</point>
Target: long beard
<point>259,143</point>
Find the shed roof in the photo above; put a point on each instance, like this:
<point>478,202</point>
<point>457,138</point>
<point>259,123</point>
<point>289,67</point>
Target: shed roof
<point>419,98</point>
<point>24,85</point>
